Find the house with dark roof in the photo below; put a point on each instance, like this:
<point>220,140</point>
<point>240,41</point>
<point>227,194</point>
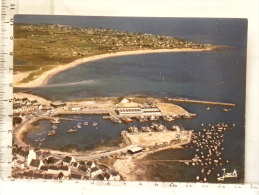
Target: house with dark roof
<point>22,155</point>
<point>107,176</point>
<point>68,160</point>
<point>35,164</point>
<point>45,155</point>
<point>115,176</point>
<point>76,176</point>
<point>91,164</point>
<point>85,170</point>
<point>44,169</point>
<point>75,165</point>
<point>95,171</point>
<point>99,177</point>
<point>60,176</point>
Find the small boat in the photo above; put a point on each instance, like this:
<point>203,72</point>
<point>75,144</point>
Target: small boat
<point>54,127</point>
<point>126,120</point>
<point>95,124</point>
<point>208,108</point>
<point>53,132</point>
<point>71,130</point>
<point>78,126</point>
<point>225,110</point>
<point>85,123</point>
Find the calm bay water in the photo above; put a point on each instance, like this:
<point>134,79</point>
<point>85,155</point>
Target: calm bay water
<point>213,76</point>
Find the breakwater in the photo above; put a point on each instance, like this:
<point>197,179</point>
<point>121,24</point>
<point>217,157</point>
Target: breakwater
<point>202,102</point>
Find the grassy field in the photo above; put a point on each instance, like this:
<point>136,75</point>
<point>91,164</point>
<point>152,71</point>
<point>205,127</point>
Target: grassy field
<point>39,48</point>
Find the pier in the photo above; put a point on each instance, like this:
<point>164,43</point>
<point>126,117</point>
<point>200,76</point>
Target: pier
<point>202,102</point>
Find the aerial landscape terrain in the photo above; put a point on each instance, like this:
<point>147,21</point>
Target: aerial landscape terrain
<point>112,102</point>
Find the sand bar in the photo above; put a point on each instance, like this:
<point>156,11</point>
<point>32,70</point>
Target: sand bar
<point>43,78</point>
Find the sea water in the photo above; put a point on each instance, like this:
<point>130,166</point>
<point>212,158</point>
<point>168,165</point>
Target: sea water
<point>211,75</point>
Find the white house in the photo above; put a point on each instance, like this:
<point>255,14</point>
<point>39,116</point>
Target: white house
<point>114,175</point>
<point>31,156</point>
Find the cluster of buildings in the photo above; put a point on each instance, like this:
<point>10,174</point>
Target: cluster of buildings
<point>21,105</point>
<point>34,163</point>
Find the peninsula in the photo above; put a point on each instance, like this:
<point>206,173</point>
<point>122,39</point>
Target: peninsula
<point>42,50</point>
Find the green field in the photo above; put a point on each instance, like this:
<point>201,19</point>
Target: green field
<point>41,47</point>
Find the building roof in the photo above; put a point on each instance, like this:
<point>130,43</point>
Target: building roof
<point>46,154</point>
<point>83,168</point>
<point>94,169</point>
<point>74,164</point>
<point>60,175</point>
<point>23,153</point>
<point>89,163</point>
<point>57,103</point>
<point>35,163</point>
<point>43,168</point>
<point>113,172</point>
<point>136,149</point>
<point>67,159</point>
<point>106,175</point>
<point>64,168</point>
<point>100,177</point>
<point>53,167</point>
<point>75,176</point>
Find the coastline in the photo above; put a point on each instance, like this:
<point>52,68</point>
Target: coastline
<point>44,78</point>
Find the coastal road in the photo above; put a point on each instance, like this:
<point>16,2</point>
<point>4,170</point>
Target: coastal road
<point>59,155</point>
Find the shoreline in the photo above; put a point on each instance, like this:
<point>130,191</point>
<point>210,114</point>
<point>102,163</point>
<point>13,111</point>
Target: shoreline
<point>42,79</point>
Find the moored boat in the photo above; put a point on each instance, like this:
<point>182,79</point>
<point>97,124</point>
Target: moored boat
<point>53,132</point>
<point>127,120</point>
<point>71,130</point>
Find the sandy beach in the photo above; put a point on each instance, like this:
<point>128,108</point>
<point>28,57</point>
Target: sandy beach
<point>43,78</point>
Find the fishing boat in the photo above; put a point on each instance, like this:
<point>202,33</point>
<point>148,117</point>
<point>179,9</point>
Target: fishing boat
<point>126,120</point>
<point>168,118</point>
<point>95,124</point>
<point>71,130</point>
<point>85,123</point>
<point>53,132</point>
<point>78,126</point>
